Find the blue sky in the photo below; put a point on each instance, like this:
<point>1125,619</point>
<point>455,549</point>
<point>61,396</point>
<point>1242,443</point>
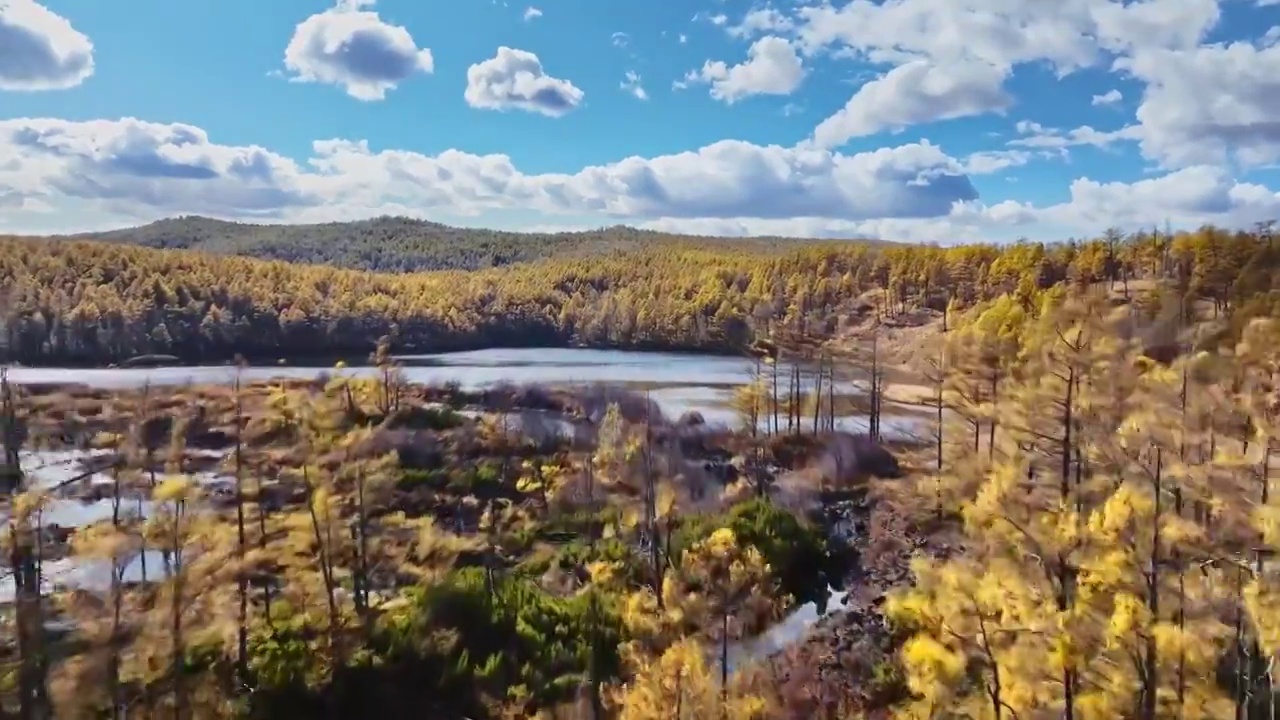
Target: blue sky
<point>936,120</point>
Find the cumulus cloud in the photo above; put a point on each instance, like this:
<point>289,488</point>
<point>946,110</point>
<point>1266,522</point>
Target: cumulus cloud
<point>913,93</point>
<point>1035,135</point>
<point>967,221</point>
<point>130,170</point>
<point>965,50</point>
<point>772,67</point>
<point>39,49</point>
<point>1189,196</point>
<point>531,13</point>
<point>355,50</point>
<point>1067,35</point>
<point>141,169</point>
<point>1110,97</point>
<point>767,19</point>
<point>514,79</point>
<point>1209,104</point>
<point>131,166</point>
<point>993,161</point>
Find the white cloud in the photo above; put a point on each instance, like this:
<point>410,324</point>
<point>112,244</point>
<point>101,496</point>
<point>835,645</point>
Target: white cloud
<point>84,175</point>
<point>620,39</point>
<point>966,222</point>
<point>139,170</point>
<point>129,166</point>
<point>531,12</point>
<point>1110,97</point>
<point>631,83</point>
<point>1035,135</point>
<point>993,161</point>
<point>39,49</point>
<point>916,92</point>
<point>1209,104</point>
<point>968,47</point>
<point>514,79</point>
<point>762,20</point>
<point>1068,35</point>
<point>355,50</point>
<point>772,67</point>
<point>1187,197</point>
<point>684,39</point>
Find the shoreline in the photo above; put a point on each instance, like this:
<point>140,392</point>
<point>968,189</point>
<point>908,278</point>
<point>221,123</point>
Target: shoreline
<point>360,358</point>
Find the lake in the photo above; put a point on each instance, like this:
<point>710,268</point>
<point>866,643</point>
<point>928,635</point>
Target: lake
<point>678,382</point>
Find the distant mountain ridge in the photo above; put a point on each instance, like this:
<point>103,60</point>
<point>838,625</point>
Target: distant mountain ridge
<point>392,244</point>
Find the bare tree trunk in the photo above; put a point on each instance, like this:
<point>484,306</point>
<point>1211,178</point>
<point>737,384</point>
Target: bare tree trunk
<point>817,396</point>
<point>362,549</point>
<point>651,492</point>
<point>242,580</point>
<point>117,603</point>
<point>24,551</point>
<point>875,387</point>
<point>831,393</point>
<point>775,394</point>
<point>326,568</point>
<point>1065,574</point>
<point>796,397</point>
<point>179,649</point>
<point>724,663</point>
<point>1150,670</point>
<point>991,427</point>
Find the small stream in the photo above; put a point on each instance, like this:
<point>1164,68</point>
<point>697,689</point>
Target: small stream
<point>789,630</point>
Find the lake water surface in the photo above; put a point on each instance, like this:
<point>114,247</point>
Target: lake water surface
<point>678,382</point>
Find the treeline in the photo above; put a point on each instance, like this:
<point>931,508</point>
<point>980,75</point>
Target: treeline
<point>1117,516</point>
<point>82,302</point>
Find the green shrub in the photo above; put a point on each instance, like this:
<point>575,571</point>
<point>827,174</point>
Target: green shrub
<point>514,634</point>
<point>795,548</point>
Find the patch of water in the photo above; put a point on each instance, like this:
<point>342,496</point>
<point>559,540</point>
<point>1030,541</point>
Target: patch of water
<point>791,629</point>
<point>92,575</point>
<point>50,469</point>
<point>681,381</point>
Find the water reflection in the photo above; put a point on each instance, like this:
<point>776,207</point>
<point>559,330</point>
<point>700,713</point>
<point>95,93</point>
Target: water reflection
<point>679,381</point>
<point>93,575</point>
<point>791,629</point>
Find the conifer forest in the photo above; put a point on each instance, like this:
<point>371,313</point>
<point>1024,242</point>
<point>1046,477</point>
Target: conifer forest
<point>1057,502</point>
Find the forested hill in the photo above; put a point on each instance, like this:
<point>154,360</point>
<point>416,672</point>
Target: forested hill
<point>94,302</point>
<point>392,244</point>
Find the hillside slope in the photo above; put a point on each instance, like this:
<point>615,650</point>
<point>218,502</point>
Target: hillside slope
<point>390,244</point>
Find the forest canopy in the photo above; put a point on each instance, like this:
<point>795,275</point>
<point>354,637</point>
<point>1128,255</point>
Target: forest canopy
<point>394,244</point>
<point>92,302</point>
